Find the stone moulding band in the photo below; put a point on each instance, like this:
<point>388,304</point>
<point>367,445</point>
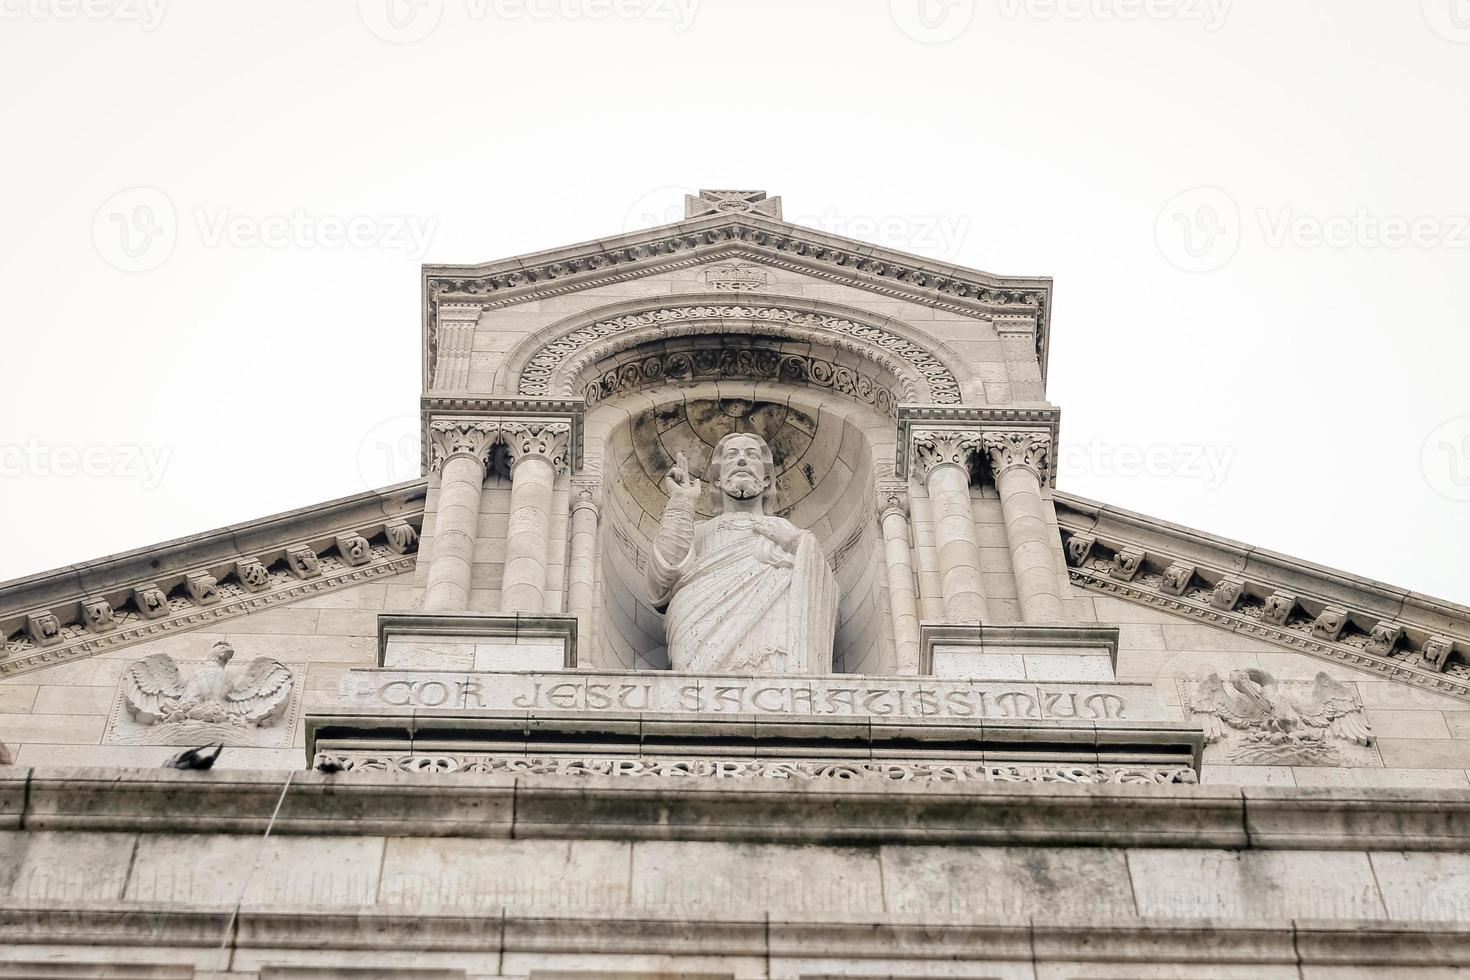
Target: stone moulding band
<point>222,590</point>
<point>905,772</point>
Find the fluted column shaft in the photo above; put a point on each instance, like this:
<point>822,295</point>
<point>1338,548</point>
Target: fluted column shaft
<point>581,574</point>
<point>942,458</point>
<point>537,451</point>
<point>1018,460</point>
<point>903,601</point>
<point>460,451</point>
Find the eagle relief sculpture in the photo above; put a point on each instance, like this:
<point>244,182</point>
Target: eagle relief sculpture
<point>1302,725</point>
<point>213,704</point>
<point>745,593</point>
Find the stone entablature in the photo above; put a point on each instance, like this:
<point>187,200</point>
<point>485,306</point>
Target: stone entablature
<point>1301,607</point>
<point>182,585</point>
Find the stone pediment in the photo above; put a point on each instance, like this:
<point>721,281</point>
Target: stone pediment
<point>1310,609</point>
<point>99,606</point>
<point>736,246</point>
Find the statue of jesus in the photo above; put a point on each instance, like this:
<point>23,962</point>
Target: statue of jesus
<point>745,593</point>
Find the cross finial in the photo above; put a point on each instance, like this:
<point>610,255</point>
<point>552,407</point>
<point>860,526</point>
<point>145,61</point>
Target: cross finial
<point>731,202</point>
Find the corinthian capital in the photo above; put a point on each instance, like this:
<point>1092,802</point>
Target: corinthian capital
<point>540,440</point>
<point>893,497</point>
<point>1011,449</point>
<point>456,437</point>
<point>933,448</point>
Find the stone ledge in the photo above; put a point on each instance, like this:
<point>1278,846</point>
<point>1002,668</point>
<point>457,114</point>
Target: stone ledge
<point>712,809</point>
<point>440,934</point>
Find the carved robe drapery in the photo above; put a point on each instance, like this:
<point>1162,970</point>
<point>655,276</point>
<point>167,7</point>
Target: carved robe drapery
<point>753,595</point>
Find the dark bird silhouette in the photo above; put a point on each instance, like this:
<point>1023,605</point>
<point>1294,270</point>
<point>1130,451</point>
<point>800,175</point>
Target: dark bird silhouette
<point>329,766</point>
<point>200,758</point>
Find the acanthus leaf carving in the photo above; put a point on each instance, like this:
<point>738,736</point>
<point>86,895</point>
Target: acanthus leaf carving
<point>1029,449</point>
<point>454,437</point>
<point>933,448</point>
<point>548,441</point>
<point>400,536</point>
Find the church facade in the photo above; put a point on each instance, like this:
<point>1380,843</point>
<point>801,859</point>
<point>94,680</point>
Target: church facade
<point>734,629</point>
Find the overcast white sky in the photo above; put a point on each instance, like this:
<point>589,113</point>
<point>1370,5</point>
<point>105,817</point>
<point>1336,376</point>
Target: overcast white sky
<point>1255,212</point>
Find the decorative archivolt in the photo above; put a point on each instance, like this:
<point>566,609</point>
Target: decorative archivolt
<point>564,365</point>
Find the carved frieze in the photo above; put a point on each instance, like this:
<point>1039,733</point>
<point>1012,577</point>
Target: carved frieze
<point>561,361</point>
<point>736,276</point>
<point>1261,721</point>
<point>1354,636</point>
<point>916,772</point>
<point>179,601</point>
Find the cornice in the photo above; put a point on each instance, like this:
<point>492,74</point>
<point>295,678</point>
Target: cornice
<point>505,408</point>
<point>82,610</point>
<point>779,244</point>
<point>1281,600</point>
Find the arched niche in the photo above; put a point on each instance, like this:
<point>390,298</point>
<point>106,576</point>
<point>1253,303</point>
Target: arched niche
<point>828,451</point>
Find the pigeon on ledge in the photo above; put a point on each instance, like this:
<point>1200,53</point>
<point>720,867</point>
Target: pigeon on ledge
<point>200,758</point>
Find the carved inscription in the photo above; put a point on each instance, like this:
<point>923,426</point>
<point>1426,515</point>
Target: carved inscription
<point>830,696</point>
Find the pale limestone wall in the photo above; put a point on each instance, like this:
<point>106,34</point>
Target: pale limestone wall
<point>60,715</point>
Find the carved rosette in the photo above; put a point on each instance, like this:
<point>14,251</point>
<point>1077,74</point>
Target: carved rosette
<point>1007,450</point>
<point>935,448</point>
<point>548,441</point>
<point>455,437</point>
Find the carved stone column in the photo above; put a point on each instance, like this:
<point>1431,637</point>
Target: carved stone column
<point>582,572</point>
<point>460,451</point>
<point>538,451</point>
<point>893,518</point>
<point>1019,461</point>
<point>941,459</point>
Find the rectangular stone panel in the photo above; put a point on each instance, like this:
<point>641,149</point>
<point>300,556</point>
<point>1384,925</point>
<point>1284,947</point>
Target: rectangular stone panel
<point>828,695</point>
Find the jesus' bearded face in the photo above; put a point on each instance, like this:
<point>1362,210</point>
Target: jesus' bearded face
<point>742,462</point>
